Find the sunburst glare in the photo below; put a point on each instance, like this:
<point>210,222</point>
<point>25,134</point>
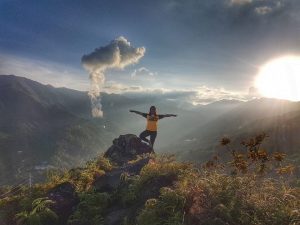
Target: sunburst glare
<point>280,78</point>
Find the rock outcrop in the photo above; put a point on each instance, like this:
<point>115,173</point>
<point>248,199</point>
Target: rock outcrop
<point>128,154</point>
<point>124,154</point>
<point>126,148</point>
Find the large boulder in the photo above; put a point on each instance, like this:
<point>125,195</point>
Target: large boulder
<point>126,148</point>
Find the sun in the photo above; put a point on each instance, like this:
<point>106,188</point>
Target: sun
<point>280,78</point>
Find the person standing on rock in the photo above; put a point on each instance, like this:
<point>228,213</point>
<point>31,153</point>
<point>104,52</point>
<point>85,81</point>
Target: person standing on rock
<point>151,128</point>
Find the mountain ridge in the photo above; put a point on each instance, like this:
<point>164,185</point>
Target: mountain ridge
<point>36,116</point>
<point>43,124</point>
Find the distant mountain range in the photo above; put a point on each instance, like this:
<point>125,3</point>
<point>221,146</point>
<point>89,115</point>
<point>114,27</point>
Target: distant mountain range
<point>279,119</point>
<point>42,127</point>
<point>40,124</point>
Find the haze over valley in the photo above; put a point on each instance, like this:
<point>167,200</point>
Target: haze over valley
<point>43,127</point>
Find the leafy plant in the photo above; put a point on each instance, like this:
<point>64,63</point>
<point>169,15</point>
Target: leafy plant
<point>253,158</point>
<point>41,214</point>
<point>90,209</point>
<point>166,210</point>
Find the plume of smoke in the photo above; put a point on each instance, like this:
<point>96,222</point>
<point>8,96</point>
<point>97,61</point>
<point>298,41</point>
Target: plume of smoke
<point>116,55</point>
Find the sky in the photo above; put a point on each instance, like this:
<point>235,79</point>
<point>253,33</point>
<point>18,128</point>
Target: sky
<point>211,48</point>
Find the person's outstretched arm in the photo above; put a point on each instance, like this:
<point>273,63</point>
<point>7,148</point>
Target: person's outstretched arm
<point>166,115</point>
<point>139,113</point>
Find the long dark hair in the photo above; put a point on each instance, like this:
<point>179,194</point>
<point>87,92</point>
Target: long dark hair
<point>152,107</point>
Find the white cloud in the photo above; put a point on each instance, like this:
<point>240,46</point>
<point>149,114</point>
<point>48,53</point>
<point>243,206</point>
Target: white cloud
<point>205,95</point>
<point>116,55</point>
<point>259,7</point>
<point>44,72</point>
<point>268,8</point>
<point>201,95</point>
<point>119,88</point>
<point>143,72</point>
<point>63,76</point>
<point>239,2</point>
<point>262,10</point>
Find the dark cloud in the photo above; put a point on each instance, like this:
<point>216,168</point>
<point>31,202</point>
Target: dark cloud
<point>213,42</point>
<point>235,37</point>
<point>242,19</point>
<point>212,11</point>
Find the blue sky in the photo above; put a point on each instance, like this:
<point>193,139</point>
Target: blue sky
<point>217,45</point>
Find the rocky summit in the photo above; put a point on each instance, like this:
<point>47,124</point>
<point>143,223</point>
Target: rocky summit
<point>127,155</point>
<point>124,153</point>
<point>126,148</point>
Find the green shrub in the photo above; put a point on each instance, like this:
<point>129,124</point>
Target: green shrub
<point>40,214</point>
<point>82,178</point>
<point>90,209</point>
<point>164,167</point>
<point>166,210</point>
